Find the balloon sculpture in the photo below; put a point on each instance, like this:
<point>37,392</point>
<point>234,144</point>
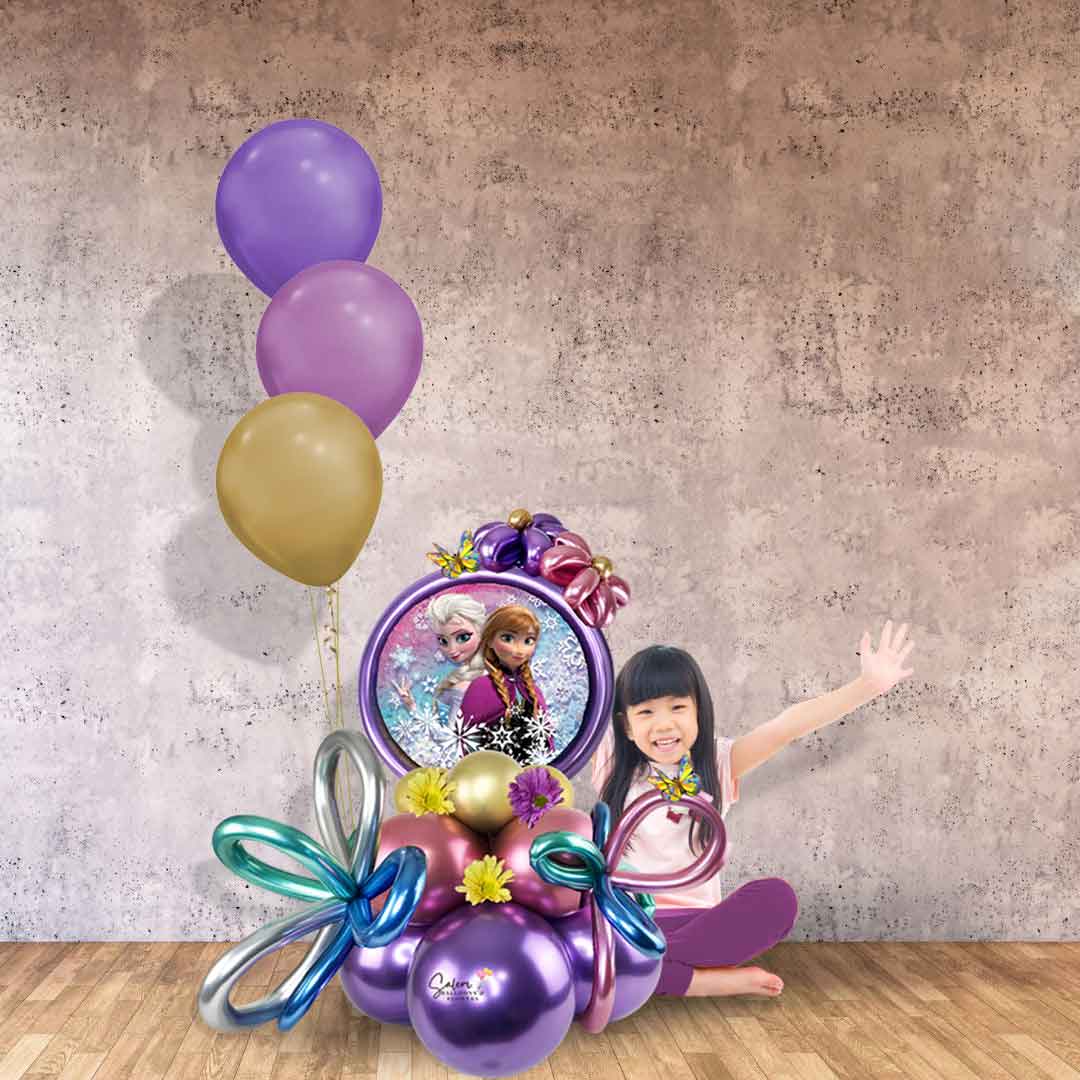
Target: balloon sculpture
<point>339,347</point>
<point>497,913</point>
<point>343,913</point>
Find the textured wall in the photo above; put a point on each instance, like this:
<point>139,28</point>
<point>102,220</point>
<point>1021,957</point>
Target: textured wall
<point>776,301</point>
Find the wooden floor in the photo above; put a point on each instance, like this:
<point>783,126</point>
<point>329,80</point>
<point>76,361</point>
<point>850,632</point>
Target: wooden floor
<point>974,1011</point>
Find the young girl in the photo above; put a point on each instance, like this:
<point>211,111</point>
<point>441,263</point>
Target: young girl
<point>506,696</point>
<point>663,718</point>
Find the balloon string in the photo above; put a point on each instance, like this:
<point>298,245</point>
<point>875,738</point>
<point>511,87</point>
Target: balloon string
<point>340,696</point>
<point>334,716</point>
<point>318,649</point>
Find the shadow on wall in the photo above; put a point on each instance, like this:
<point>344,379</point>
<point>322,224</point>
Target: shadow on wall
<point>197,343</point>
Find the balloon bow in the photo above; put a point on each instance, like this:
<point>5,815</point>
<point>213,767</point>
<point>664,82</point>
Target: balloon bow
<point>342,896</point>
<point>587,581</point>
<point>598,873</point>
<point>521,540</point>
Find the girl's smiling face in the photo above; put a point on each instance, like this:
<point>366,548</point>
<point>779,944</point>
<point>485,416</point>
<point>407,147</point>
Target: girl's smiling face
<point>514,649</point>
<point>458,639</point>
<point>663,728</point>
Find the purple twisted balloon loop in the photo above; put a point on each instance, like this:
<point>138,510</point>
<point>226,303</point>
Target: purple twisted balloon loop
<point>602,999</point>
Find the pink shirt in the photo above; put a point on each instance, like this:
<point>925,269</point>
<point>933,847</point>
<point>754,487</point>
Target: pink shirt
<point>659,844</point>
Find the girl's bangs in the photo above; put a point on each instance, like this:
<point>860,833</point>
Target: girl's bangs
<point>655,673</point>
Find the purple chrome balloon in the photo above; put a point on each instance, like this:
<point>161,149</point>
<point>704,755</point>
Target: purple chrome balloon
<point>490,990</point>
<point>501,546</point>
<point>374,980</point>
<point>636,975</point>
<point>347,331</point>
<point>297,193</point>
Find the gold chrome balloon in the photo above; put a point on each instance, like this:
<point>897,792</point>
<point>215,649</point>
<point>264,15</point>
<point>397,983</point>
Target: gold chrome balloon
<point>564,783</point>
<point>299,482</point>
<point>481,798</point>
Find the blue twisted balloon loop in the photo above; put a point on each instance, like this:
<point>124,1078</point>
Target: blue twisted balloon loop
<point>401,875</point>
<point>629,914</point>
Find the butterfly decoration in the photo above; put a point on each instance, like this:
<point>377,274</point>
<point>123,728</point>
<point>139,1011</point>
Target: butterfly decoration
<point>455,563</point>
<point>674,788</point>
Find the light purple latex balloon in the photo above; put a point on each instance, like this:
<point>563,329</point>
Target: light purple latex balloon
<point>297,193</point>
<point>374,979</point>
<point>636,975</point>
<point>490,991</point>
<point>347,331</point>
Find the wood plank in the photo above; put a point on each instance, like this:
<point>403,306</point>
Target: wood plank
<point>955,1010</point>
<point>26,1050</point>
<point>1043,1057</point>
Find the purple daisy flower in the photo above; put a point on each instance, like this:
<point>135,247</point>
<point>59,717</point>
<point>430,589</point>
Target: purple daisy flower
<point>533,793</point>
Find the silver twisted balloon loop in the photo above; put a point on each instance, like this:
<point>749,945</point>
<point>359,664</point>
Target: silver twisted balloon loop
<point>214,1005</point>
<point>360,859</point>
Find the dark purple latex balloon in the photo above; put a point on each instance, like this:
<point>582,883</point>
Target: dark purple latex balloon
<point>347,331</point>
<point>297,193</point>
<point>636,975</point>
<point>374,979</point>
<point>490,992</point>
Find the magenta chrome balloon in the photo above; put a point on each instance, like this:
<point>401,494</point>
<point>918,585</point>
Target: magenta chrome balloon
<point>597,662</point>
<point>490,990</point>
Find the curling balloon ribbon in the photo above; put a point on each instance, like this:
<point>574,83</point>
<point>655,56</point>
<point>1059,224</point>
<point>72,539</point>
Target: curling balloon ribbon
<point>612,906</point>
<point>342,886</point>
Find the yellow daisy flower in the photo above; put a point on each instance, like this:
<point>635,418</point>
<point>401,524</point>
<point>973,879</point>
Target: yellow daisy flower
<point>484,880</point>
<point>428,791</point>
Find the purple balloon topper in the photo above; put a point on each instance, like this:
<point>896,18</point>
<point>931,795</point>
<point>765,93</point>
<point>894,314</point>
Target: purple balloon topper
<point>598,666</point>
<point>502,546</point>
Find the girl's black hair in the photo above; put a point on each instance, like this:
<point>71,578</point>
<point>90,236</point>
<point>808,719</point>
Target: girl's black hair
<point>662,671</point>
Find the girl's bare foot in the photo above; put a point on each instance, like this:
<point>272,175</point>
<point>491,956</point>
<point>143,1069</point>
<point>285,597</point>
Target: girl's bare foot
<point>725,981</point>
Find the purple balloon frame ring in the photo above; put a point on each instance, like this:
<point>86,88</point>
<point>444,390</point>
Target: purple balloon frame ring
<point>598,665</point>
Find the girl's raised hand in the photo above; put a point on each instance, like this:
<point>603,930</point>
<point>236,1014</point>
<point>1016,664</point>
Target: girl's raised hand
<point>883,669</point>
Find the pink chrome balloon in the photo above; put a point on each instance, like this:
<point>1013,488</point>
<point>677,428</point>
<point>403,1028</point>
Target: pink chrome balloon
<point>512,845</point>
<point>448,846</point>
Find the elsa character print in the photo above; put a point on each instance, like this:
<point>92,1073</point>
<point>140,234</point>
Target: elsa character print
<point>457,621</point>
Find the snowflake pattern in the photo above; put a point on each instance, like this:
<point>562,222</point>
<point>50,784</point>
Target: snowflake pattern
<point>402,656</point>
<point>502,739</point>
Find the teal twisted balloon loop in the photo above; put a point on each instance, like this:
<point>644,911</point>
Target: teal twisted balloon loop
<point>630,916</point>
<point>401,875</point>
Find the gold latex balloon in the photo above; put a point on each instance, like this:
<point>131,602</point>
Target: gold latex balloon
<point>481,798</point>
<point>299,482</point>
<point>564,783</point>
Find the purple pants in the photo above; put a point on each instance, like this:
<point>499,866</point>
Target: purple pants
<point>749,921</point>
